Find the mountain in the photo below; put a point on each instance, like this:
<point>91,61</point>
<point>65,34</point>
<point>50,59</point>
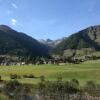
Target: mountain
<point>20,44</point>
<point>49,42</point>
<point>87,38</point>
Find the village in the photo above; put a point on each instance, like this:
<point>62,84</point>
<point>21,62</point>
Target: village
<point>7,60</point>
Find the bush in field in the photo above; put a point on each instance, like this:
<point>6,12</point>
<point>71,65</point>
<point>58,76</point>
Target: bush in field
<point>74,86</point>
<point>0,78</point>
<point>41,86</point>
<point>92,88</point>
<point>31,76</point>
<point>24,92</point>
<point>13,76</point>
<point>59,78</point>
<point>42,78</point>
<point>11,87</point>
<point>28,76</point>
<point>90,85</point>
<point>59,86</point>
<point>25,76</point>
<point>17,91</point>
<point>75,81</point>
<point>70,87</point>
<point>19,77</point>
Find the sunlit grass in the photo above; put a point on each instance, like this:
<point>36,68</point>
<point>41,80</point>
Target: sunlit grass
<point>86,71</point>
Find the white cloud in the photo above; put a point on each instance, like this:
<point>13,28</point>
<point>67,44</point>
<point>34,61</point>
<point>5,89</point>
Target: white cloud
<point>14,5</point>
<point>13,21</point>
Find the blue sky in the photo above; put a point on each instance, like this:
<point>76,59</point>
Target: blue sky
<point>52,19</point>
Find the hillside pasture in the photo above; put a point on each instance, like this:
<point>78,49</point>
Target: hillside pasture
<point>89,70</point>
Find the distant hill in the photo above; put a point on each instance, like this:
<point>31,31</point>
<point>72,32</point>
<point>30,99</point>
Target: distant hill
<point>87,38</point>
<point>20,44</point>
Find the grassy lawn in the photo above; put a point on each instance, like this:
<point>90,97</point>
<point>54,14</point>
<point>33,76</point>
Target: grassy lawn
<point>83,72</point>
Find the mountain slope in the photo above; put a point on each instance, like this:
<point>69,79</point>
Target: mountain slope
<point>87,38</point>
<point>20,44</point>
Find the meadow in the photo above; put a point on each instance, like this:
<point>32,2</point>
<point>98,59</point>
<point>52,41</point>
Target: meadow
<point>89,70</point>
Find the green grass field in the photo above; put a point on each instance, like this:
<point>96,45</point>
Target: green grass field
<point>83,72</point>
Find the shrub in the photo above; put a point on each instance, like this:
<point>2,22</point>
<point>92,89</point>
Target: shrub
<point>11,87</point>
<point>75,81</point>
<point>25,76</point>
<point>90,85</point>
<point>59,78</point>
<point>42,78</point>
<point>13,76</point>
<point>28,76</point>
<point>71,87</point>
<point>31,76</point>
<point>19,77</point>
<point>0,78</point>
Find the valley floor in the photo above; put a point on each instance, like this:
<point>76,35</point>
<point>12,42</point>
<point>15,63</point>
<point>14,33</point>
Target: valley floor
<point>89,70</point>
